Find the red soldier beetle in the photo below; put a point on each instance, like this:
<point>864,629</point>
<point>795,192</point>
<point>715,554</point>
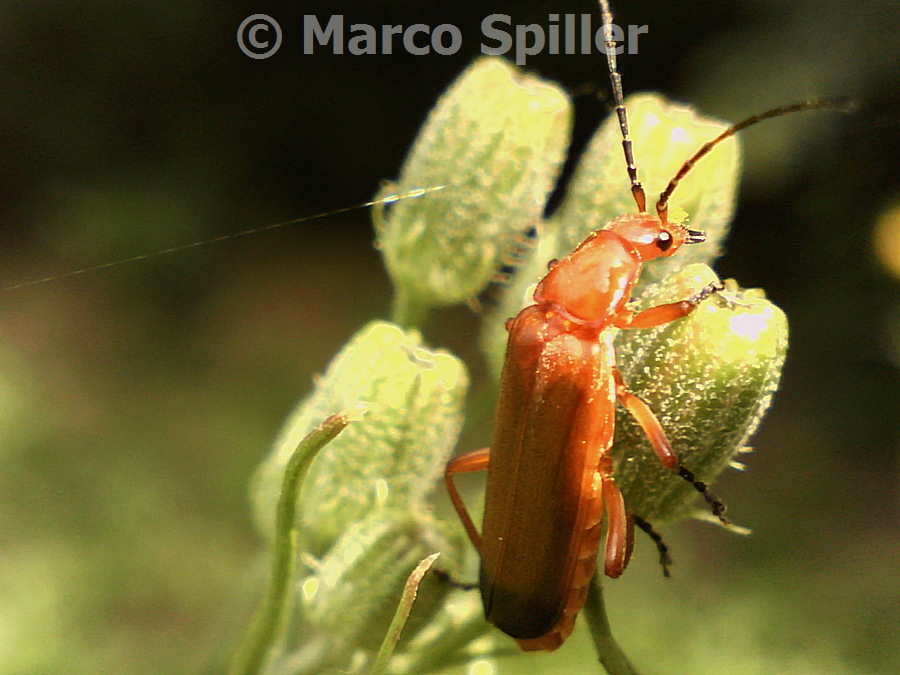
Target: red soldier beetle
<point>550,471</point>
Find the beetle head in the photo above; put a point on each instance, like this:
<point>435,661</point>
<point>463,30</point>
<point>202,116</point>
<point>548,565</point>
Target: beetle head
<point>653,237</point>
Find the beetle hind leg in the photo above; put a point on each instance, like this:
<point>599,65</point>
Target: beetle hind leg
<point>665,560</point>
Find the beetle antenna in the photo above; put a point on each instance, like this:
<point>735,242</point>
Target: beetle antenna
<point>637,190</point>
<point>842,104</point>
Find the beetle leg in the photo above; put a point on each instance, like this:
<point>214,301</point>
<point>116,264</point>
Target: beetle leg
<point>665,560</point>
<point>647,420</point>
<point>618,529</point>
<point>718,506</point>
<point>446,578</point>
<point>478,460</point>
<point>662,314</point>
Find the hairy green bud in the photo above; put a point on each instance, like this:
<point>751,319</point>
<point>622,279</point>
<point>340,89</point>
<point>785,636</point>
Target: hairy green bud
<point>496,139</point>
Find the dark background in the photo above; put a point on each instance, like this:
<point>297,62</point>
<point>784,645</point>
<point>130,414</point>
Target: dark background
<point>136,401</point>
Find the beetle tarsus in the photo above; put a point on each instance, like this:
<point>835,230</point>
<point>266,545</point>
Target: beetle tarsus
<point>665,560</point>
<point>446,578</point>
<point>718,506</point>
<point>710,289</point>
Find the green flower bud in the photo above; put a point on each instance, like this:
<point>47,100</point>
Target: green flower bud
<point>392,458</point>
<point>497,139</point>
<point>709,377</point>
<point>354,591</point>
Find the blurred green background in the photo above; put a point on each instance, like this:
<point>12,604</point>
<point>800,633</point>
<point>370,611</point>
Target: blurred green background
<point>135,402</point>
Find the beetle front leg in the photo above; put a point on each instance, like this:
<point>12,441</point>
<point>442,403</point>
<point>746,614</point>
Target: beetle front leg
<point>662,314</point>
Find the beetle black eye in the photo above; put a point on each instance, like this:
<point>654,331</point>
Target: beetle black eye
<point>664,241</point>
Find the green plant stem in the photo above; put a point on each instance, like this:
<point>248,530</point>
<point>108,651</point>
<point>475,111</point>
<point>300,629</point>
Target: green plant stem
<point>608,650</point>
<point>272,614</point>
<point>408,311</point>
